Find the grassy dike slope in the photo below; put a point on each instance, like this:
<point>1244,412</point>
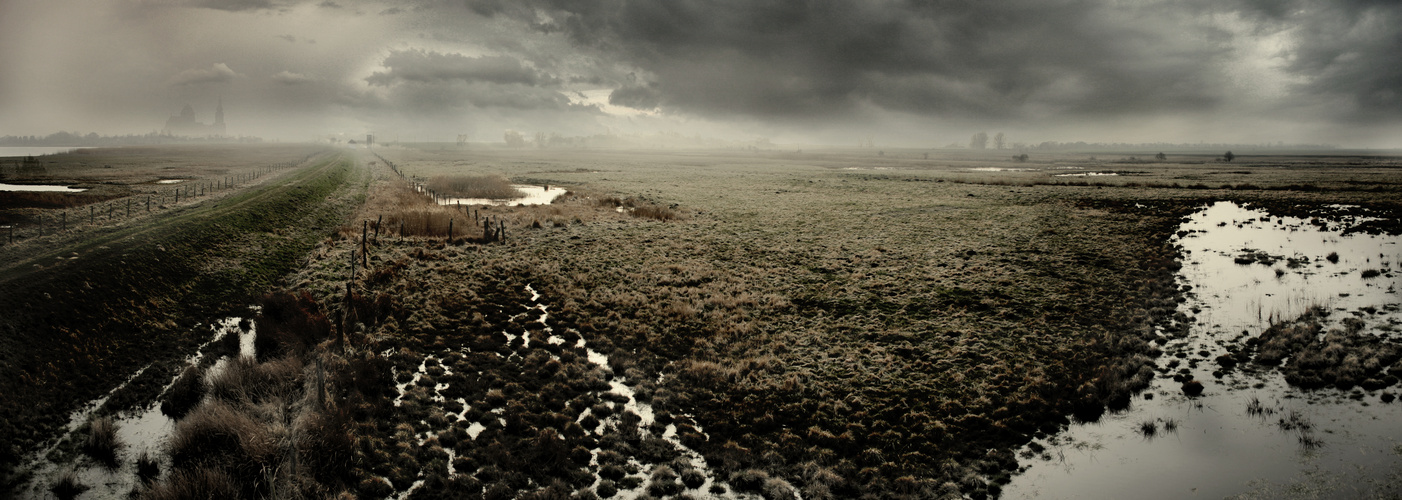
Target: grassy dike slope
<point>83,318</point>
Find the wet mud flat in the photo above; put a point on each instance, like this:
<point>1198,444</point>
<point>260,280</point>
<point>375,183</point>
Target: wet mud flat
<point>1281,379</point>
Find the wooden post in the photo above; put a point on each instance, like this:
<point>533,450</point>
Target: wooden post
<point>320,385</point>
<point>450,230</point>
<point>364,256</point>
<point>148,203</point>
<point>502,231</point>
<point>377,226</point>
<point>128,206</point>
<point>109,212</point>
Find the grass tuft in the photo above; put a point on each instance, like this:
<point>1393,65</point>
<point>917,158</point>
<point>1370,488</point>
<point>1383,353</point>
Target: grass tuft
<point>67,487</point>
<point>102,442</point>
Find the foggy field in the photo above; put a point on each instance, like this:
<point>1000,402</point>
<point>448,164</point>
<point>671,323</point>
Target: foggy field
<point>831,324</point>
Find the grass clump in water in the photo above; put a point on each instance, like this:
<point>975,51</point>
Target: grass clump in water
<point>67,486</point>
<point>102,442</point>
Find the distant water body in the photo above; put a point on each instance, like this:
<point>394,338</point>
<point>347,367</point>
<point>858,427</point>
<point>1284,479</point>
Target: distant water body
<point>6,151</point>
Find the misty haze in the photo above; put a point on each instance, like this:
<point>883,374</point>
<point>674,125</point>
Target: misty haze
<point>699,249</point>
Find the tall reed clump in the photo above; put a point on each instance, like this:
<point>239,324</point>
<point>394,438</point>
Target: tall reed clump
<point>102,442</point>
<point>289,324</point>
<point>492,187</point>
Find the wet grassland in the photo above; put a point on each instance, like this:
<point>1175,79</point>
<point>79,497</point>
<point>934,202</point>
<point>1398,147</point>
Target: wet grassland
<point>88,308</point>
<point>718,323</point>
<point>801,326</point>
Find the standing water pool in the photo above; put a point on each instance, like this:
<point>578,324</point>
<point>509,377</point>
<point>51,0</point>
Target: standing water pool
<point>1250,433</point>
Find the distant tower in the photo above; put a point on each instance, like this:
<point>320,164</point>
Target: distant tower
<point>219,118</point>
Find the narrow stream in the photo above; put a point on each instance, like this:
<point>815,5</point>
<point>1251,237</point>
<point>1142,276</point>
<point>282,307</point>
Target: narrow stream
<point>1250,433</point>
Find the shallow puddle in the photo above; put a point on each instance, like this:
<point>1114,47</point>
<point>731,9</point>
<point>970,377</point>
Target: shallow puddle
<point>1250,433</point>
<point>40,187</point>
<point>1088,174</point>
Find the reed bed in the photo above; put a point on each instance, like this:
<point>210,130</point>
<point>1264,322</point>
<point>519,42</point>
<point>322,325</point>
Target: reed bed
<point>492,187</point>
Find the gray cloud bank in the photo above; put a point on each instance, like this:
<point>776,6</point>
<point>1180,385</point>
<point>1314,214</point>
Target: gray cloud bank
<point>911,72</point>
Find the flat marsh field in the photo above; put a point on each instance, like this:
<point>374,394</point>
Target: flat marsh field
<point>831,324</point>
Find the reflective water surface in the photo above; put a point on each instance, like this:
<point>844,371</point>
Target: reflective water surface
<point>1250,433</point>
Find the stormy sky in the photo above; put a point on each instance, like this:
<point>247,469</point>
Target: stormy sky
<point>903,73</point>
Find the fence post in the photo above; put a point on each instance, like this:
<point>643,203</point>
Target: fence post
<point>502,231</point>
<point>450,230</point>
<point>377,226</point>
<point>364,255</point>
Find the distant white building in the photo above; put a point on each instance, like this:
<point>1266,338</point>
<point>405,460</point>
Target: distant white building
<point>185,124</point>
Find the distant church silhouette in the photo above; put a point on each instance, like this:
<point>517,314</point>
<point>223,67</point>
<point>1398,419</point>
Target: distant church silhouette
<point>185,124</point>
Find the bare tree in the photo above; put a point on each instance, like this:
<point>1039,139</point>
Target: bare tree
<point>998,141</point>
<point>540,140</point>
<point>1160,156</point>
<point>1229,156</point>
<point>979,141</point>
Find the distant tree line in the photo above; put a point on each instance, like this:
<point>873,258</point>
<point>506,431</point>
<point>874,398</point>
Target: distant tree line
<point>980,140</point>
<point>94,140</point>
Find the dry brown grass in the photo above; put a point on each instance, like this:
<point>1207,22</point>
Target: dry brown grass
<point>492,187</point>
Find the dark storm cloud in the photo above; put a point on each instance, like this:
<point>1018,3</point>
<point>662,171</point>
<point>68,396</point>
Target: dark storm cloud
<point>786,59</point>
<point>427,66</point>
<point>1351,50</point>
<point>437,83</point>
<point>636,97</point>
